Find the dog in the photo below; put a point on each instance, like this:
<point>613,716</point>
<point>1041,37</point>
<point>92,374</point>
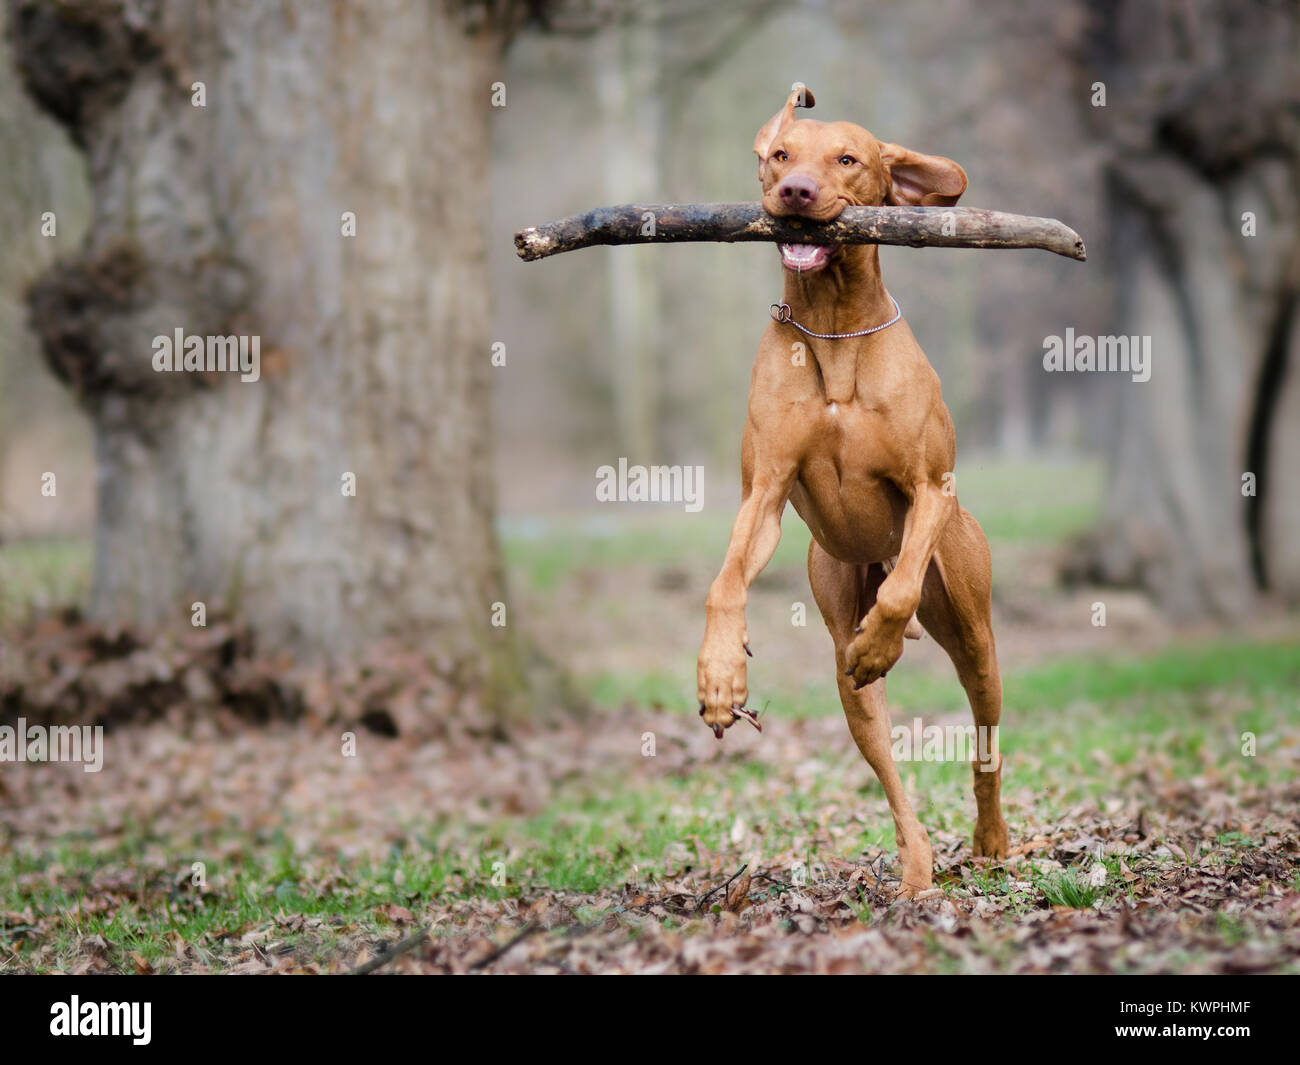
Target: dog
<point>846,422</point>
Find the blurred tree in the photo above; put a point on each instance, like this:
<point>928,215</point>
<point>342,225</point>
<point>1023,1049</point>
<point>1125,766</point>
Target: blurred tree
<point>231,146</point>
<point>627,64</point>
<point>647,66</point>
<point>1201,130</point>
<point>39,425</point>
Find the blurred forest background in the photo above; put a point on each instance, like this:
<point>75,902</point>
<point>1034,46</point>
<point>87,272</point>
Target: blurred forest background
<point>646,353</point>
<point>1166,132</point>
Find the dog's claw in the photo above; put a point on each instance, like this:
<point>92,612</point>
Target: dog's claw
<point>748,651</point>
<point>701,709</point>
<point>747,715</point>
<point>717,731</point>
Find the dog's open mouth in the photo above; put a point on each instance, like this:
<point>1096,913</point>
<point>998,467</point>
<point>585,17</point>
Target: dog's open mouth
<point>805,258</point>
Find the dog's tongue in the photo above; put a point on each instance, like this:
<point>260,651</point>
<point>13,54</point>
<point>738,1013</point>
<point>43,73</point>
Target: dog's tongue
<point>803,256</point>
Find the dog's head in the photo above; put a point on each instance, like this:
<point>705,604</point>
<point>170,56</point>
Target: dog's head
<point>816,169</point>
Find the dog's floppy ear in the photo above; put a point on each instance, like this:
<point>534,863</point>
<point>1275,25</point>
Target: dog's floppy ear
<point>917,180</point>
<point>800,96</point>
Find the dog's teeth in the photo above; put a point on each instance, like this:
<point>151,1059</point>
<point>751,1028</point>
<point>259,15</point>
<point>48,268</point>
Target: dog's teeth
<point>801,254</point>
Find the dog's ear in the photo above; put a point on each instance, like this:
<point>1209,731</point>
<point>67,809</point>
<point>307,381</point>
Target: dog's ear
<point>917,180</point>
<point>800,96</point>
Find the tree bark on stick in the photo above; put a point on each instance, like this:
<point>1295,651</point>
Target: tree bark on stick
<point>936,227</point>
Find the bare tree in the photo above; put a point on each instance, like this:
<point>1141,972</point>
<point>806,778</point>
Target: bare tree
<point>233,150</point>
<point>1201,125</point>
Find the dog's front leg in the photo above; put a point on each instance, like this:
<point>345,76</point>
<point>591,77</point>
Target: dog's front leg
<point>720,672</point>
<point>879,640</point>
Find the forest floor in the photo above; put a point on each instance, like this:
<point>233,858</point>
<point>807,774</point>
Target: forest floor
<point>1150,788</point>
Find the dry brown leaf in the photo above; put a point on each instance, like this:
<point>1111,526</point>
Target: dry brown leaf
<point>738,893</point>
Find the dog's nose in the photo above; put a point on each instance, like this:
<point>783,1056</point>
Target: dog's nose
<point>798,190</point>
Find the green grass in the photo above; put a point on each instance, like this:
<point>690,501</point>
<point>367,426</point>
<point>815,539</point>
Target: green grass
<point>1083,740</point>
<point>1069,729</point>
<point>1254,668</point>
<point>1030,501</point>
<point>545,552</point>
<point>1016,503</point>
<point>145,913</point>
<point>1074,729</point>
<point>41,575</point>
<point>1067,889</point>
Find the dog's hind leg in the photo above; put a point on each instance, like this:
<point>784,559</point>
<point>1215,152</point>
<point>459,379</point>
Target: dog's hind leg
<point>844,593</point>
<point>955,608</point>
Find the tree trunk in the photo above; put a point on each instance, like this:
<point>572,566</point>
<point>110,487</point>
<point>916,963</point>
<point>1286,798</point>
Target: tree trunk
<point>631,128</point>
<point>228,219</point>
<point>37,427</point>
<point>1202,124</point>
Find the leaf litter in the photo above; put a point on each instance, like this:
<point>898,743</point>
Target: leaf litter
<point>216,757</point>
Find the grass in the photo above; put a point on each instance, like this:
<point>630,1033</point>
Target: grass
<point>1016,503</point>
<point>154,908</point>
<point>1077,729</point>
<point>1067,750</point>
<point>1185,669</point>
<point>41,575</point>
<point>594,836</point>
<point>1066,889</point>
<point>1027,501</point>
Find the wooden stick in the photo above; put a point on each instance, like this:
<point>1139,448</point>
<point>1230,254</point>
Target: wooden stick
<point>917,227</point>
<point>531,928</point>
<point>379,961</point>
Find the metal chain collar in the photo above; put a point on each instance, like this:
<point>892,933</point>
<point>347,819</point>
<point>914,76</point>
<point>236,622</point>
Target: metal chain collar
<point>781,313</point>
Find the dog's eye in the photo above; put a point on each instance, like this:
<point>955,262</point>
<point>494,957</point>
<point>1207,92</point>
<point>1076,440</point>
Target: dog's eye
<point>847,160</point>
<point>780,157</point>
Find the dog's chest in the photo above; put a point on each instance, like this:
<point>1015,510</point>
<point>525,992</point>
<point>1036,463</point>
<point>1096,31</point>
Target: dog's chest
<point>843,493</point>
<point>849,436</point>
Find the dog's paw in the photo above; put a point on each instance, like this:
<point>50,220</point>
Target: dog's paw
<point>917,880</point>
<point>991,841</point>
<point>874,651</point>
<point>916,865</point>
<point>722,686</point>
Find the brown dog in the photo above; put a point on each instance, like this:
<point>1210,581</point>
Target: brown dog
<point>854,432</point>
